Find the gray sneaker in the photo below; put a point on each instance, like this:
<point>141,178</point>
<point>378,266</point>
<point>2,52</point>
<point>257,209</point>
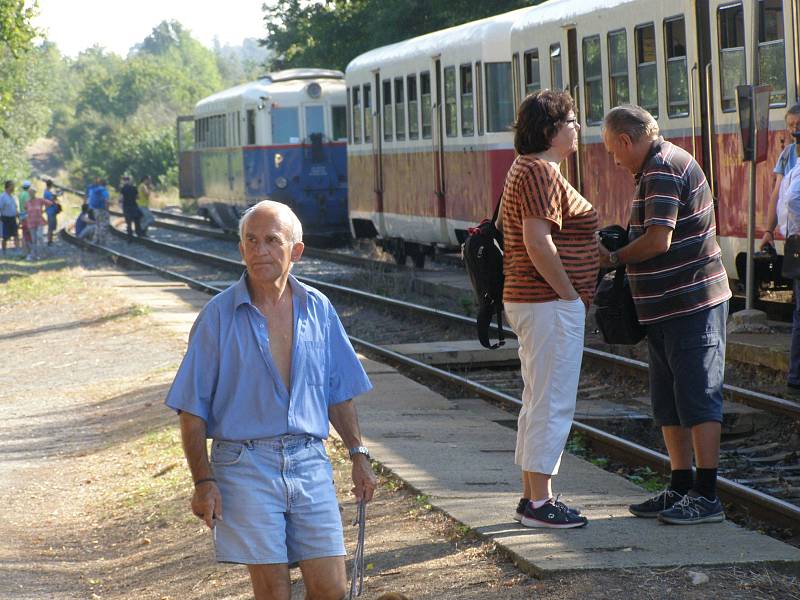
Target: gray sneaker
<point>693,509</point>
<point>650,509</point>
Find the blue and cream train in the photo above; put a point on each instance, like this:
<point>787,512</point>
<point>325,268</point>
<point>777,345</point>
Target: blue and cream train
<point>282,137</point>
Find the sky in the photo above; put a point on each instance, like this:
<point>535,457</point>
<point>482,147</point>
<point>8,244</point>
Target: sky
<point>119,24</point>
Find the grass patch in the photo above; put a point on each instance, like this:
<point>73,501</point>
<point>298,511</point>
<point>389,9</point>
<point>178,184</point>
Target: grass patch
<point>26,282</point>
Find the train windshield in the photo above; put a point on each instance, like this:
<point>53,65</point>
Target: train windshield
<point>315,120</point>
<point>285,126</point>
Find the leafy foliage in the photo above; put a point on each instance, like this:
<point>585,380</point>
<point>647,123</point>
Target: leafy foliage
<point>330,33</point>
<point>16,30</point>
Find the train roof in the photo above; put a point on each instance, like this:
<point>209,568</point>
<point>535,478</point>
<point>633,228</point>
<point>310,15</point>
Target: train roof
<point>281,85</point>
<point>562,11</point>
<point>487,32</point>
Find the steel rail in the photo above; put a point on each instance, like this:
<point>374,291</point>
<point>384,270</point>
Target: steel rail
<point>759,400</point>
<point>763,505</point>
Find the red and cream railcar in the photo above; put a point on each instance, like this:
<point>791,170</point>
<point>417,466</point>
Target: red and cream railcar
<point>429,142</point>
<point>680,59</point>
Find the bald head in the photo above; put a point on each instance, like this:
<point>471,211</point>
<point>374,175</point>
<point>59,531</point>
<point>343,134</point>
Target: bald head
<point>290,222</point>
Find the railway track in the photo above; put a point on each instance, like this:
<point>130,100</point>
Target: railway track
<point>777,511</point>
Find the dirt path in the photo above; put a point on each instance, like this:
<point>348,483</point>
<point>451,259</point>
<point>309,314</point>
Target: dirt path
<point>95,490</point>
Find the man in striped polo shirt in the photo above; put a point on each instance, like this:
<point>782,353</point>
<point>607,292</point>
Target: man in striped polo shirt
<point>680,289</point>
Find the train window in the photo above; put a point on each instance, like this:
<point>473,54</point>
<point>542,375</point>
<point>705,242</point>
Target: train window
<point>556,79</point>
<point>618,67</point>
<point>450,115</point>
<point>730,21</point>
<point>425,97</point>
<point>399,108</point>
<point>593,79</point>
<point>356,115</point>
<point>339,121</point>
<point>479,95</point>
<point>387,110</point>
<point>413,117</point>
<point>367,113</point>
<point>533,82</point>
<point>677,82</point>
<point>315,120</point>
<point>467,104</point>
<point>238,128</point>
<point>499,97</point>
<point>647,68</point>
<point>285,126</point>
<point>771,51</point>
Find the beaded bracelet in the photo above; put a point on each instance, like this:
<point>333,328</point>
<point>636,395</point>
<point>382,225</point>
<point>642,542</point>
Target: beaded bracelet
<point>199,481</point>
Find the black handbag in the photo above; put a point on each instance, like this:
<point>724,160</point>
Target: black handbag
<point>790,268</point>
<point>615,311</point>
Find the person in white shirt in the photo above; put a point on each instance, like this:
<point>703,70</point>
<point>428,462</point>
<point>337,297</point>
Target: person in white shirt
<point>8,215</point>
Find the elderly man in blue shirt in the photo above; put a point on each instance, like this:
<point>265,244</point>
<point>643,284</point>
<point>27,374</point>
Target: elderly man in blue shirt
<point>267,367</point>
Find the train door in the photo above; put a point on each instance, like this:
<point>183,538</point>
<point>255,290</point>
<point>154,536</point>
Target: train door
<point>372,103</point>
<point>438,138</point>
<point>573,85</point>
<point>703,100</point>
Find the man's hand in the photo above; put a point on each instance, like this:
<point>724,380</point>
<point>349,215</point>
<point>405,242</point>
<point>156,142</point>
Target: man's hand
<point>364,479</point>
<point>207,502</point>
<point>604,252</point>
<point>766,240</point>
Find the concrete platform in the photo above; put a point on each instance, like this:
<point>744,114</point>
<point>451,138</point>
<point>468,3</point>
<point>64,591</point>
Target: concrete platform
<point>452,352</point>
<point>458,454</point>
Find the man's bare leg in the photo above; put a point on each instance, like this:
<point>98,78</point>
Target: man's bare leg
<point>706,444</point>
<point>679,446</point>
<point>270,582</point>
<point>324,578</point>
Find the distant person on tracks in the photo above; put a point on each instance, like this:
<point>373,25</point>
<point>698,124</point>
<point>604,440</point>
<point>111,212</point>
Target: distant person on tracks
<point>145,190</point>
<point>550,265</point>
<point>23,197</point>
<point>267,367</point>
<point>51,211</point>
<point>680,289</point>
<point>8,215</point>
<point>85,226</point>
<point>130,209</point>
<point>35,219</point>
<point>98,202</point>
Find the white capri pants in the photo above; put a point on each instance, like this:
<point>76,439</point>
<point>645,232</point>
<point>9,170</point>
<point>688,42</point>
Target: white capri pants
<point>550,351</point>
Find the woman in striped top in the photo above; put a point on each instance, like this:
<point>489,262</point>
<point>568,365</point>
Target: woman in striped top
<point>550,266</point>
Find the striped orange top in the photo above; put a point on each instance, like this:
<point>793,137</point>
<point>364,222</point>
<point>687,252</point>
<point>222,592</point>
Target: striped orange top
<point>535,188</point>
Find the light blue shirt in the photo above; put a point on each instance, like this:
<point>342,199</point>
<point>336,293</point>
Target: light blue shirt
<point>8,206</point>
<point>787,160</point>
<point>228,377</point>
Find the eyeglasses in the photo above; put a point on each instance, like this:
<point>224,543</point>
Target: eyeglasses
<point>573,121</point>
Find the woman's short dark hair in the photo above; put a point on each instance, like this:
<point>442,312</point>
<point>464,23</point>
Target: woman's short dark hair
<point>539,118</point>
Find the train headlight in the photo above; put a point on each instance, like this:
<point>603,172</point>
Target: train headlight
<point>278,159</point>
<point>281,182</point>
<point>314,90</point>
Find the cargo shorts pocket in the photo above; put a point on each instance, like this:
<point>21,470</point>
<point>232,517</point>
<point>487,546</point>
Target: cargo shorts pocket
<point>224,454</point>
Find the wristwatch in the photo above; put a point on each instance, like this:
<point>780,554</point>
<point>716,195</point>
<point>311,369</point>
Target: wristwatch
<point>613,259</point>
<point>358,450</point>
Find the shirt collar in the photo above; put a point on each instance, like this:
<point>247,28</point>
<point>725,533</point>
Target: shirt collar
<point>241,295</point>
<point>655,148</point>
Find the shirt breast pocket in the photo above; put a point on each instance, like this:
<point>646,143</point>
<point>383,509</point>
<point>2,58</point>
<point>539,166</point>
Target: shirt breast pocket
<point>316,363</point>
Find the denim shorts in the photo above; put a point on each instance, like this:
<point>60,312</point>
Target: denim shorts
<point>687,367</point>
<point>278,501</point>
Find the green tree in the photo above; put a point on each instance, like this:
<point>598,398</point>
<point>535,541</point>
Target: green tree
<point>330,33</point>
<point>16,29</point>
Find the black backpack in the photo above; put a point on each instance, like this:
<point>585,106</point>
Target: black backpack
<point>482,253</point>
